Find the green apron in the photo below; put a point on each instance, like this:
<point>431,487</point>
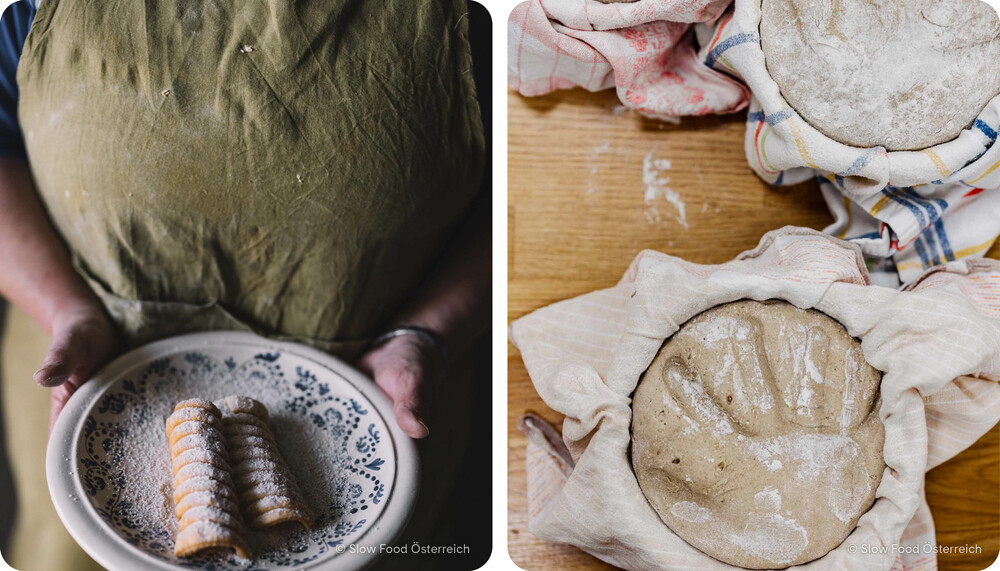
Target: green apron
<point>288,168</point>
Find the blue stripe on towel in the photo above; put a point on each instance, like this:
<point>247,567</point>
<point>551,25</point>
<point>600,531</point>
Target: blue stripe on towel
<point>943,238</point>
<point>986,129</point>
<point>727,43</point>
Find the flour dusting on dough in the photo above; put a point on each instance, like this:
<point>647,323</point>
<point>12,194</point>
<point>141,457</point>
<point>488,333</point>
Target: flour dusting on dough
<point>768,499</point>
<point>704,408</point>
<point>690,511</point>
<point>781,486</point>
<point>846,506</point>
<point>814,454</point>
<point>773,537</point>
<point>745,376</point>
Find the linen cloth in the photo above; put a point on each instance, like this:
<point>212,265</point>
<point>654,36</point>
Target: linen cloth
<point>291,169</point>
<point>908,210</point>
<point>937,343</point>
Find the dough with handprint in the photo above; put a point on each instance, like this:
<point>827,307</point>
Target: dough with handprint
<point>756,435</point>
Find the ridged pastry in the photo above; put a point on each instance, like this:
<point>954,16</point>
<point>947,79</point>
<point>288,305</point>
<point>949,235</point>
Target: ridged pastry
<point>266,487</point>
<point>205,500</point>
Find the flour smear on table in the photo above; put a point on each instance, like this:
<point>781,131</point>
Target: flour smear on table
<point>657,187</point>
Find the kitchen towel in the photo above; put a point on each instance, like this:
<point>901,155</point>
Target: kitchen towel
<point>937,342</point>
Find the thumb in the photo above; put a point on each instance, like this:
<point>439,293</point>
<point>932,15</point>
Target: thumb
<point>79,347</point>
<point>409,421</point>
<point>398,368</point>
<point>74,354</point>
<point>60,361</point>
<point>401,381</point>
<point>58,398</point>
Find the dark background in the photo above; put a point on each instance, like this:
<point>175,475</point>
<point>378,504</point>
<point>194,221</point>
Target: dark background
<point>469,509</point>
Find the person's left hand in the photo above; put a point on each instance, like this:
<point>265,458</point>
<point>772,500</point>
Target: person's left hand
<point>403,367</point>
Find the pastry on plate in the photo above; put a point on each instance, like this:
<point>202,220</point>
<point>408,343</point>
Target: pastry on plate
<point>205,499</point>
<point>267,489</point>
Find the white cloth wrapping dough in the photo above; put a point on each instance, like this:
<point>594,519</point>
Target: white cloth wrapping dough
<point>915,208</point>
<point>938,343</point>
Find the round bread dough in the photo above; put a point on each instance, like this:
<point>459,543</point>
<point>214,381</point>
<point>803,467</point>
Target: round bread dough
<point>902,74</point>
<point>756,435</point>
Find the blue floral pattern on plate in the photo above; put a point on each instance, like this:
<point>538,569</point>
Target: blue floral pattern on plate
<point>309,393</point>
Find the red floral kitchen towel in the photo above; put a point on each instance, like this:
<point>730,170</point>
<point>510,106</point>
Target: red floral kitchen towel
<point>644,49</point>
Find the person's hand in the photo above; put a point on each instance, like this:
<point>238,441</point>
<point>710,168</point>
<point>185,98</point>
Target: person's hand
<point>453,304</point>
<point>82,341</point>
<point>403,367</point>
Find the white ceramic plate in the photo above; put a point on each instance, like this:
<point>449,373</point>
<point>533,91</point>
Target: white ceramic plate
<point>106,461</point>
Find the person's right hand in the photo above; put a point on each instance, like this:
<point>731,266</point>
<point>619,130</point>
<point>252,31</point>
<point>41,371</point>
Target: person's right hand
<point>82,341</point>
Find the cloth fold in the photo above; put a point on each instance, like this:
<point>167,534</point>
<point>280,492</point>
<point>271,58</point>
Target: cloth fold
<point>937,343</point>
<point>643,49</point>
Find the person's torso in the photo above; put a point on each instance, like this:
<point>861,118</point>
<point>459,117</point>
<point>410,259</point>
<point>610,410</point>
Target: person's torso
<point>295,167</point>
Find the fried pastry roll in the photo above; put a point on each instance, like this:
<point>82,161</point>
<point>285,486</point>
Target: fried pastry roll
<point>205,498</point>
<point>267,489</point>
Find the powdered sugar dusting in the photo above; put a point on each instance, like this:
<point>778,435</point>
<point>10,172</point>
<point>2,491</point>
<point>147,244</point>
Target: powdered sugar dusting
<point>316,436</point>
<point>147,473</point>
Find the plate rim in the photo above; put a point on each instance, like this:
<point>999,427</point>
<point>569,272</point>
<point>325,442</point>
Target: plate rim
<point>110,550</point>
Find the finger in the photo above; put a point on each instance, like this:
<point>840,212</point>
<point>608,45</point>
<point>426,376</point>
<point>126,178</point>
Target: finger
<point>57,401</point>
<point>410,422</point>
<point>401,381</point>
<point>88,361</point>
<point>59,362</point>
<point>51,375</point>
<point>71,357</point>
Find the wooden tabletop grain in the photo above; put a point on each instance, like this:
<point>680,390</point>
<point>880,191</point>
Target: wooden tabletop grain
<point>588,189</point>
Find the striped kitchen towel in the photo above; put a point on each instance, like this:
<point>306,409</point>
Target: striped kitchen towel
<point>937,342</point>
<point>907,210</point>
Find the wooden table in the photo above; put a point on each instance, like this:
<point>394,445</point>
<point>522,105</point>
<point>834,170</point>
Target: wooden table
<point>577,215</point>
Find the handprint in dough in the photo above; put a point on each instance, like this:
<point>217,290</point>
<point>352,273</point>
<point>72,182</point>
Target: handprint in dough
<point>755,433</point>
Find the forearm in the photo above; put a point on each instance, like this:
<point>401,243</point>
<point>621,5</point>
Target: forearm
<point>37,273</point>
<point>455,300</point>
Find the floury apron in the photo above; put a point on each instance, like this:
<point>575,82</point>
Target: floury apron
<point>288,168</point>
